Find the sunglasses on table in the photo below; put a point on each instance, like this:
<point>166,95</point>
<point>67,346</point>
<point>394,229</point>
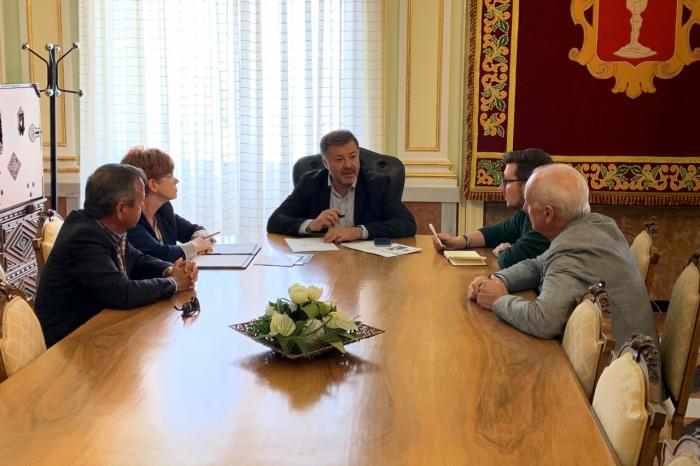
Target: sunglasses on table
<point>189,308</point>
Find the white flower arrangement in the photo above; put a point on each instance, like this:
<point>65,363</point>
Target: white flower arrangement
<point>303,323</point>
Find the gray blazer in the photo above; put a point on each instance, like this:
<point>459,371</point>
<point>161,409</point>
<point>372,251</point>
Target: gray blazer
<point>589,249</point>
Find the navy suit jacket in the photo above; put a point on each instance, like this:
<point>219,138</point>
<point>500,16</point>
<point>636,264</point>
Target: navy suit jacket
<point>376,206</point>
<point>82,277</point>
<point>172,227</point>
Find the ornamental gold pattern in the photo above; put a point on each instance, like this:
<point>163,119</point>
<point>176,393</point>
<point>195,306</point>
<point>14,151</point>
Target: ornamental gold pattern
<point>615,177</point>
<point>494,77</point>
<point>634,79</point>
<point>664,177</point>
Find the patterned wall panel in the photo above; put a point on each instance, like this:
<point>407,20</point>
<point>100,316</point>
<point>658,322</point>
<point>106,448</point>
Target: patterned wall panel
<point>21,183</point>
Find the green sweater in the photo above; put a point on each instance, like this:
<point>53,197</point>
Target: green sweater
<point>517,230</point>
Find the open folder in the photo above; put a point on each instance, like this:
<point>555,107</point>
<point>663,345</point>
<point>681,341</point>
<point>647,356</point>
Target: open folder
<point>464,258</point>
<point>228,256</point>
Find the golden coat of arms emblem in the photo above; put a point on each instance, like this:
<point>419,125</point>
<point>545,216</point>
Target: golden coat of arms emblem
<point>635,41</point>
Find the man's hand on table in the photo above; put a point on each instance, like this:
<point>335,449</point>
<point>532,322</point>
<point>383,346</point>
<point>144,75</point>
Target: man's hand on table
<point>184,272</point>
<point>485,290</point>
<point>500,248</point>
<point>342,234</point>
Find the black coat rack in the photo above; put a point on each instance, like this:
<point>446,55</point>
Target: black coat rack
<point>52,91</point>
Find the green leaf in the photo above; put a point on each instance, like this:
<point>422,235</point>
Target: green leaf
<point>324,308</point>
<point>311,310</point>
<point>338,345</point>
<point>500,130</point>
<point>623,169</point>
<point>501,105</point>
<point>604,171</point>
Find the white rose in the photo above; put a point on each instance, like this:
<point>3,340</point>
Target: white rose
<point>298,293</point>
<point>281,324</point>
<point>339,320</point>
<point>314,328</point>
<point>314,292</point>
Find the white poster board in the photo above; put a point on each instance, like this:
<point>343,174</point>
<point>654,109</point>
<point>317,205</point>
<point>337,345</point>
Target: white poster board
<point>21,161</point>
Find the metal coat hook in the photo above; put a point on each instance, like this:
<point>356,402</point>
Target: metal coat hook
<point>52,91</point>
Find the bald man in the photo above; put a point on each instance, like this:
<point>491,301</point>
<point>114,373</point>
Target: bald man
<point>585,249</point>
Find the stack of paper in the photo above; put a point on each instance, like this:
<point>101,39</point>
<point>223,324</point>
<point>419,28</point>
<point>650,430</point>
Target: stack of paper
<point>394,249</point>
<point>464,258</point>
<point>309,244</point>
<point>283,260</point>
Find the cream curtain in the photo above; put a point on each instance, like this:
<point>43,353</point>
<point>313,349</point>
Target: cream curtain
<point>235,91</point>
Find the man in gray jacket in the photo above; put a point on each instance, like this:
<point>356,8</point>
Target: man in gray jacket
<point>585,249</point>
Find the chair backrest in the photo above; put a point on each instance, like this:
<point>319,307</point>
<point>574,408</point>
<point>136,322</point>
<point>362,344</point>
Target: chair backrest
<point>626,401</point>
<point>21,339</point>
<point>47,230</point>
<point>681,338</point>
<point>645,251</point>
<point>384,164</point>
<point>682,452</point>
<point>584,341</point>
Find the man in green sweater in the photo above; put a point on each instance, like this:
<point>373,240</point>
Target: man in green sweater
<point>513,240</point>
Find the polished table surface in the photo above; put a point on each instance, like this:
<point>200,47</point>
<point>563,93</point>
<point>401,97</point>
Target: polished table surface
<point>448,383</point>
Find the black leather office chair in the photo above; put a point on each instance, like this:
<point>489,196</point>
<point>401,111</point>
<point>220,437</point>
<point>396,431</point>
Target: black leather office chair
<point>385,164</point>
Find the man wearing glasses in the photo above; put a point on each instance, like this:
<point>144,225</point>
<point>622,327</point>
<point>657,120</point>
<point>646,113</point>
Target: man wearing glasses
<point>513,240</point>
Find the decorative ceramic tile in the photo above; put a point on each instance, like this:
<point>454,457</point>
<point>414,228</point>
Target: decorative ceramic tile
<point>14,166</point>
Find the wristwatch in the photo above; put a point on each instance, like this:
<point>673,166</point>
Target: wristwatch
<point>467,240</point>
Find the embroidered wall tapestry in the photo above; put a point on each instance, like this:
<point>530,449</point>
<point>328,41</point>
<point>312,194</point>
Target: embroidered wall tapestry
<point>609,86</point>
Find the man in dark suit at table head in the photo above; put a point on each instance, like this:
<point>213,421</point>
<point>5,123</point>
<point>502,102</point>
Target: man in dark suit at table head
<point>513,240</point>
<point>92,266</point>
<point>344,199</point>
<point>586,248</point>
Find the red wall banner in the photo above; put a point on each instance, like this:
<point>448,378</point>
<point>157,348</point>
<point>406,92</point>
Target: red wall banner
<point>608,86</point>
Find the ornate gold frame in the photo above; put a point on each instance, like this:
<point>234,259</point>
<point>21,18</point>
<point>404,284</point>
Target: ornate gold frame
<point>634,79</point>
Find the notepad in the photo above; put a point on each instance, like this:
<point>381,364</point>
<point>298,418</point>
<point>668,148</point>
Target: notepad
<point>464,258</point>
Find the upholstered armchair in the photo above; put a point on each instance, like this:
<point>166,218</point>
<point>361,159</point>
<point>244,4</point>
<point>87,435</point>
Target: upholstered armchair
<point>644,250</point>
<point>625,401</point>
<point>21,339</point>
<point>681,341</point>
<point>48,227</point>
<point>384,164</point>
<point>584,342</point>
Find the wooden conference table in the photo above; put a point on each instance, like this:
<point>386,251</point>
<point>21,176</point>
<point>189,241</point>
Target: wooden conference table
<point>446,384</point>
